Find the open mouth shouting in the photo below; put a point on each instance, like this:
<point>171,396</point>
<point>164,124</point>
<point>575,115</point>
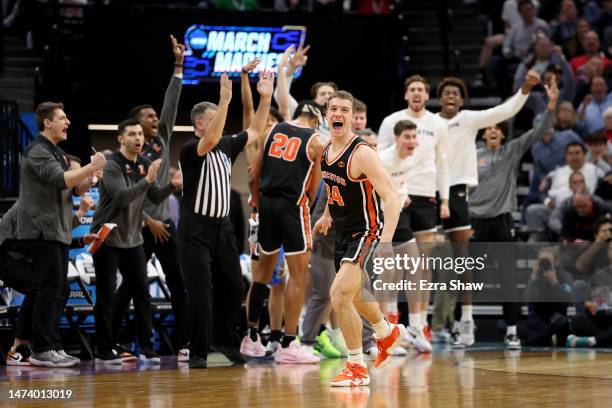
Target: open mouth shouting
<point>337,125</point>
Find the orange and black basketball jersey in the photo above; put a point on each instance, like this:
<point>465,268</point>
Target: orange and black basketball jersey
<point>353,204</point>
<point>287,169</point>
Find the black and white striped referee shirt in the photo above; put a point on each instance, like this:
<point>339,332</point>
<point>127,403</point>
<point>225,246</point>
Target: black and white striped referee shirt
<point>207,179</point>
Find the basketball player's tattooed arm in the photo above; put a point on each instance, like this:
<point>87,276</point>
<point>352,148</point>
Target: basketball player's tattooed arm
<point>365,162</point>
<point>315,149</point>
<point>245,93</point>
<point>283,86</point>
<point>215,129</point>
<point>265,88</point>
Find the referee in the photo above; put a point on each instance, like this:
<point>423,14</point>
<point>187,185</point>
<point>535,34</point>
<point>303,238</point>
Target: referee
<point>209,255</point>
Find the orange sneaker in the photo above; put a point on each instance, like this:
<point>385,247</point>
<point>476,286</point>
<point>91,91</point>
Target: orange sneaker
<point>353,375</point>
<point>427,333</point>
<point>393,317</point>
<point>398,332</point>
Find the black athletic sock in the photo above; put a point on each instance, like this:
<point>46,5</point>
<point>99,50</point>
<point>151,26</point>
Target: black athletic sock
<point>259,292</point>
<point>276,335</point>
<point>287,339</point>
<point>322,328</point>
<point>253,333</point>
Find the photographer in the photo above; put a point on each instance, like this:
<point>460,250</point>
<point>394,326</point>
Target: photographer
<point>548,294</point>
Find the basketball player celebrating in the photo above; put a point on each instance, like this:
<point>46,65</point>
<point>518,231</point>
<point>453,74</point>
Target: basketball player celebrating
<point>463,126</point>
<point>428,174</point>
<point>355,181</point>
<point>290,174</point>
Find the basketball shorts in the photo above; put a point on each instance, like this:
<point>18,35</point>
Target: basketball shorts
<point>282,222</point>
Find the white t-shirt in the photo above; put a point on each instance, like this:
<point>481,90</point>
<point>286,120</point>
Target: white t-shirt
<point>462,131</point>
<point>397,169</point>
<point>430,170</point>
<point>560,187</point>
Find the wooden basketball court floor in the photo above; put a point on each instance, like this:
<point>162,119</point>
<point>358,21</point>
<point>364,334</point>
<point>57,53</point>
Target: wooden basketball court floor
<point>485,376</point>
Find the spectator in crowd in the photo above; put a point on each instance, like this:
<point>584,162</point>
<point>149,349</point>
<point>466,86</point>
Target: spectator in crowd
<point>591,110</point>
<point>566,117</point>
<point>592,69</point>
<point>537,214</point>
<point>595,257</point>
<point>565,28</point>
<point>577,183</point>
<point>608,127</point>
<point>604,188</point>
<point>551,63</point>
<point>591,45</point>
<point>577,218</point>
<point>592,330</point>
<point>548,154</point>
<point>518,42</point>
<point>597,153</point>
<point>603,22</point>
<point>511,18</point>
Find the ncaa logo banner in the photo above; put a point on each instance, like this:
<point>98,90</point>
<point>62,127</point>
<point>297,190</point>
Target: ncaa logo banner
<point>213,50</point>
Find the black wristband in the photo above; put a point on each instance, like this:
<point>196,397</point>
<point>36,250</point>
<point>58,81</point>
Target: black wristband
<point>176,64</point>
<point>245,71</point>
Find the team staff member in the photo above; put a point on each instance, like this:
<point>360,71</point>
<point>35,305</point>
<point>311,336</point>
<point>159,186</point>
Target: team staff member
<point>44,220</point>
<point>128,177</point>
<point>209,255</point>
<point>159,232</point>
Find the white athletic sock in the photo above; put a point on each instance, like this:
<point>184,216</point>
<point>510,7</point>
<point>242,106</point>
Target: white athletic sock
<point>424,318</point>
<point>466,313</point>
<point>414,320</point>
<point>382,328</point>
<point>356,356</point>
<point>511,330</point>
<point>592,341</point>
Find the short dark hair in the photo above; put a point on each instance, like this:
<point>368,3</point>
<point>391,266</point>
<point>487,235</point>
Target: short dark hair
<point>135,111</point>
<point>596,138</point>
<point>601,221</point>
<point>309,108</point>
<point>317,85</point>
<point>452,81</point>
<point>571,144</point>
<point>343,95</point>
<point>503,127</point>
<point>416,78</point>
<point>522,4</point>
<point>360,106</point>
<point>403,125</point>
<point>277,115</point>
<point>46,110</point>
<point>125,123</point>
<point>555,69</point>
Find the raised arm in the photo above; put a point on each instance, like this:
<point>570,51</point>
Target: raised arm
<point>215,128</point>
<point>510,107</point>
<point>283,87</point>
<point>299,60</point>
<point>265,88</point>
<point>245,93</point>
<point>167,118</point>
<point>365,161</point>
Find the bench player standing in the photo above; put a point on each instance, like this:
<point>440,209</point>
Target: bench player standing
<point>290,174</point>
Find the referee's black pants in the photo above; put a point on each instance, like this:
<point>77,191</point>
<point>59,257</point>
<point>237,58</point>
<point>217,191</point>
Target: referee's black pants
<point>133,267</point>
<point>210,260</point>
<point>499,229</point>
<point>167,254</point>
<point>50,262</point>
